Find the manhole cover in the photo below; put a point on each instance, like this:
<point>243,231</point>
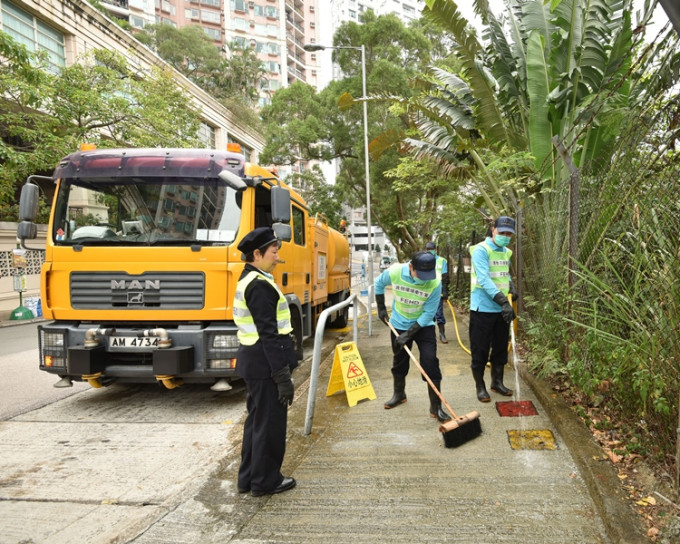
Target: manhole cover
<point>542,439</point>
<point>514,408</point>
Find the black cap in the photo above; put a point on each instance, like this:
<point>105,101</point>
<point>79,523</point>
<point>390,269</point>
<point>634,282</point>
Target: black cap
<point>424,263</point>
<point>256,239</point>
<point>505,224</point>
<point>430,245</point>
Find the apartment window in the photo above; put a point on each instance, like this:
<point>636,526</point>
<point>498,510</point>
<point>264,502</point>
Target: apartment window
<point>239,5</point>
<point>271,11</point>
<point>191,14</point>
<point>168,7</point>
<point>206,134</point>
<point>259,10</point>
<point>34,34</point>
<point>136,21</point>
<point>213,33</point>
<point>166,21</point>
<point>239,41</point>
<point>409,10</point>
<point>209,16</point>
<point>272,30</point>
<point>352,14</point>
<point>273,67</point>
<point>139,4</point>
<point>215,3</point>
<point>238,23</point>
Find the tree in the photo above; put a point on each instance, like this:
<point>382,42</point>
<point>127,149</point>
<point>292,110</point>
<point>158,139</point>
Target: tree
<point>187,49</point>
<point>44,116</point>
<point>302,124</point>
<point>236,78</point>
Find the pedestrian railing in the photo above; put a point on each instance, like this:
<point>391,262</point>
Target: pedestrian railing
<point>316,357</point>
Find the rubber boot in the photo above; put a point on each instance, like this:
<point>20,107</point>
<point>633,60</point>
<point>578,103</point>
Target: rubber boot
<point>442,336</point>
<point>482,394</point>
<point>399,396</point>
<point>436,409</point>
<point>497,381</point>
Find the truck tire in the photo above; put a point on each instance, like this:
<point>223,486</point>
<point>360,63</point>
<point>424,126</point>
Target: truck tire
<point>342,318</point>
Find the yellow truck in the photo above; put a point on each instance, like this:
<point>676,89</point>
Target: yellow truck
<point>141,263</point>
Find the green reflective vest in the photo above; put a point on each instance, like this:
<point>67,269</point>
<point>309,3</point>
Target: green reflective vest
<point>247,331</point>
<point>440,266</point>
<point>499,268</point>
<point>409,298</point>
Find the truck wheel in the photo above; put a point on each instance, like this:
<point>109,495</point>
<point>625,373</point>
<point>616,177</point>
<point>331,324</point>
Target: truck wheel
<point>342,318</point>
<point>296,322</point>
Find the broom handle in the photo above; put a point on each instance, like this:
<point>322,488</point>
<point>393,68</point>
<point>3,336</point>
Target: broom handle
<point>427,378</point>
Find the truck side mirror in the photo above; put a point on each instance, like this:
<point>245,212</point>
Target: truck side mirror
<point>284,233</point>
<point>28,203</point>
<point>280,198</point>
<point>27,231</point>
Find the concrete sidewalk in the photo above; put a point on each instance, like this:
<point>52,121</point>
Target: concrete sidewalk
<point>370,475</point>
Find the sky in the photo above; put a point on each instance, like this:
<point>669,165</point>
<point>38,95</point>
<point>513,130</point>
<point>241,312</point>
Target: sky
<point>497,7</point>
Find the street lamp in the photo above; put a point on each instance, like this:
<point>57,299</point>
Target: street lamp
<point>311,47</point>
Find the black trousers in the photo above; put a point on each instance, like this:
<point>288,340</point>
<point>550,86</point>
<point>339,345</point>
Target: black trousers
<point>264,437</point>
<point>488,332</point>
<point>426,341</point>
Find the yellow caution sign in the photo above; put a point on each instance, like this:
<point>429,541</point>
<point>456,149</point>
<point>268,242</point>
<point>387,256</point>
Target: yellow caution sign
<point>348,374</point>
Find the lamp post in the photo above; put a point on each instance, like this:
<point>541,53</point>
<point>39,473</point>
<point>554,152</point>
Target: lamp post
<point>315,47</point>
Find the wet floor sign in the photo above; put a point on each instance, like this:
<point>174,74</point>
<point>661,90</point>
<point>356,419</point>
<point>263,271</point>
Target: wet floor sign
<point>542,439</point>
<point>349,374</point>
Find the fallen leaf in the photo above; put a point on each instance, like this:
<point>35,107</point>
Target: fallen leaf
<point>613,457</point>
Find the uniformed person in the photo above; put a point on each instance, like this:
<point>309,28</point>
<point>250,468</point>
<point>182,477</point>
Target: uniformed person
<point>490,311</point>
<point>416,293</point>
<point>265,359</point>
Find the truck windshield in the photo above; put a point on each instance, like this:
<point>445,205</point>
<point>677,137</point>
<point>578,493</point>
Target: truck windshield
<point>145,211</point>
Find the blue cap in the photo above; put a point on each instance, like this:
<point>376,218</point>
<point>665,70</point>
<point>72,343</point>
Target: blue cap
<point>505,224</point>
<point>425,265</point>
<point>430,245</point>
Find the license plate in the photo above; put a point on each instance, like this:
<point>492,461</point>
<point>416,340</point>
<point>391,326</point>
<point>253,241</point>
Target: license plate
<point>132,342</point>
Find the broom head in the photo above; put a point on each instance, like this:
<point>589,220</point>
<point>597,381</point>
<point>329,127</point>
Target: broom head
<point>457,432</point>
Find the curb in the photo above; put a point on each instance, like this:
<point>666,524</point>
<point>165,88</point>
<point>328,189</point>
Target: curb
<point>620,520</point>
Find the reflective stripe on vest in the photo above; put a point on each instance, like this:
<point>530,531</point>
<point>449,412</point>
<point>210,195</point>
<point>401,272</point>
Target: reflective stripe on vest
<point>247,331</point>
<point>499,268</point>
<point>409,298</point>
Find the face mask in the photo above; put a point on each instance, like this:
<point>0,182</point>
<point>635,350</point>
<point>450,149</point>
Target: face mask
<point>433,252</point>
<point>502,241</point>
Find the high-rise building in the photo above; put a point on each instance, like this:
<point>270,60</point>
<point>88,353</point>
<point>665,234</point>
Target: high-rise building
<point>275,29</point>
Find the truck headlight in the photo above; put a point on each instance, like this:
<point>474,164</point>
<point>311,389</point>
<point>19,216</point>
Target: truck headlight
<point>224,341</point>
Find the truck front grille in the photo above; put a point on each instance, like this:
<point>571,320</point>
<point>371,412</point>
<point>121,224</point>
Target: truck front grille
<point>151,290</point>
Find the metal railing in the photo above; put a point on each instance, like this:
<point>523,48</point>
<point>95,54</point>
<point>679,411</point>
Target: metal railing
<point>316,358</point>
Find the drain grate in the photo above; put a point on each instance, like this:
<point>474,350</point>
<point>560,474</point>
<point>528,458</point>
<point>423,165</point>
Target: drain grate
<point>542,439</point>
<point>512,408</point>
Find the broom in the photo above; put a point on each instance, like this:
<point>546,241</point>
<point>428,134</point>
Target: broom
<point>458,430</point>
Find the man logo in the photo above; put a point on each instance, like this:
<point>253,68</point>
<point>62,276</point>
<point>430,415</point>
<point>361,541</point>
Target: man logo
<point>135,284</point>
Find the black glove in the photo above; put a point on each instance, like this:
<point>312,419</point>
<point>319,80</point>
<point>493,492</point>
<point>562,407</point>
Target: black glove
<point>513,291</point>
<point>406,336</point>
<point>382,310</point>
<point>285,385</point>
<point>506,309</point>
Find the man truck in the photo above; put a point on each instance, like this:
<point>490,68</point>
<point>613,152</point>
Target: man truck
<point>141,263</point>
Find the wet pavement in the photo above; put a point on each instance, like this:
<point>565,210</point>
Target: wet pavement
<point>369,475</point>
